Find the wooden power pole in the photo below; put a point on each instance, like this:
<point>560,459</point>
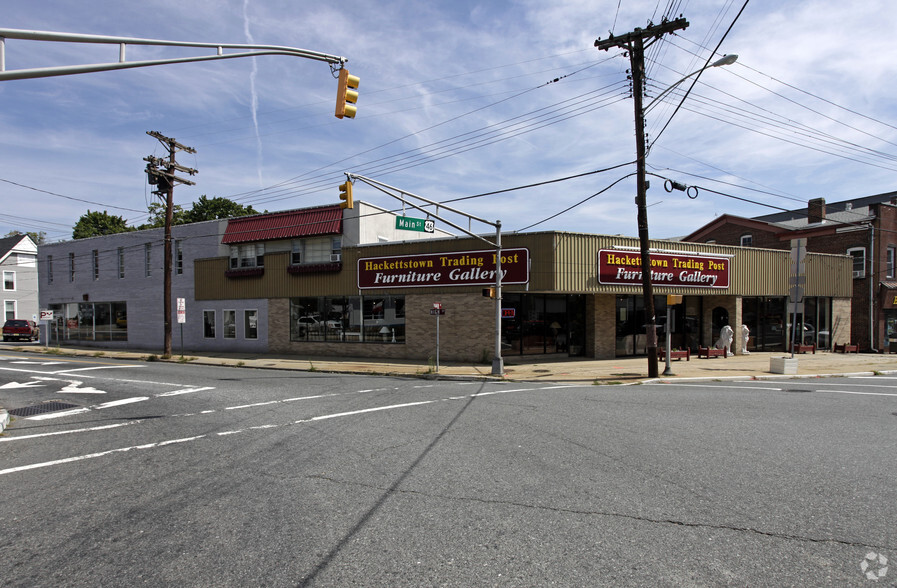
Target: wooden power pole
<point>161,173</point>
<point>634,43</point>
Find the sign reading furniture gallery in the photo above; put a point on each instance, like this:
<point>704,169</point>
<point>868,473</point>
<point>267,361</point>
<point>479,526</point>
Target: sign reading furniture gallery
<point>667,269</point>
<point>460,268</point>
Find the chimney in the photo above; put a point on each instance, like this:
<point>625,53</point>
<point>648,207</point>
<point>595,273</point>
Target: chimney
<point>816,210</point>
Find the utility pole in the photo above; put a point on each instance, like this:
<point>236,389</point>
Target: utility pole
<point>634,43</point>
<point>165,180</point>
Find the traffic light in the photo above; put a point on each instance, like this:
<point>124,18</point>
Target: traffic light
<point>345,193</point>
<point>489,292</point>
<point>345,92</point>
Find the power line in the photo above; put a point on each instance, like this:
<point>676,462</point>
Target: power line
<point>68,197</point>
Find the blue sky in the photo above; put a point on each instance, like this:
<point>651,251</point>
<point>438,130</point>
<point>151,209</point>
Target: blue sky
<point>457,98</point>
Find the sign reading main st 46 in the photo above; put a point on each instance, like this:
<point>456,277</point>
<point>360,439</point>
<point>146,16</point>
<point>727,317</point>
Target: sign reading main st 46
<point>407,223</point>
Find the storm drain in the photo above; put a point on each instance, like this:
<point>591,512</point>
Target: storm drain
<point>797,391</point>
<point>42,408</point>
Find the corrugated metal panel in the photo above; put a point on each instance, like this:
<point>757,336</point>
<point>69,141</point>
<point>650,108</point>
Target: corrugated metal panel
<point>560,262</point>
<point>325,220</point>
<point>829,275</point>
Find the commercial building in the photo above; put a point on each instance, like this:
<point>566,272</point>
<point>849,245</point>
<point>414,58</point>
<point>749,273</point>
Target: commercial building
<point>863,228</point>
<point>348,283</point>
<point>107,291</point>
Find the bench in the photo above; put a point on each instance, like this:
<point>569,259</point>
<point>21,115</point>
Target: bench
<point>709,352</point>
<point>801,348</point>
<point>674,354</point>
<point>846,348</point>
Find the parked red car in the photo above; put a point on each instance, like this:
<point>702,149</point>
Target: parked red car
<point>17,330</point>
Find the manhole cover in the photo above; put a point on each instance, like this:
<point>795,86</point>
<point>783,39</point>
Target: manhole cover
<point>44,407</point>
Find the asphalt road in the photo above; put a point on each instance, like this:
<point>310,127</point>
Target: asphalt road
<point>166,474</point>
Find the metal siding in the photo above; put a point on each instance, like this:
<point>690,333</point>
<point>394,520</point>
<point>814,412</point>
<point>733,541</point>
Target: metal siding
<point>560,262</point>
<point>284,225</point>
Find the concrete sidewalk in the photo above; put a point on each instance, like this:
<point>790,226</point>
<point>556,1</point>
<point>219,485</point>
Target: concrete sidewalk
<point>628,370</point>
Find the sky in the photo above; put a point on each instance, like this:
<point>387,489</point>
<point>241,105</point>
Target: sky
<point>457,99</point>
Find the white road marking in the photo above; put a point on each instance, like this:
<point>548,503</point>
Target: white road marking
<point>263,427</point>
<point>184,391</point>
<point>39,362</point>
<point>121,402</point>
<point>100,454</point>
<point>56,415</point>
<point>75,388</point>
<point>858,393</point>
<point>97,367</point>
<point>53,434</point>
<point>14,385</point>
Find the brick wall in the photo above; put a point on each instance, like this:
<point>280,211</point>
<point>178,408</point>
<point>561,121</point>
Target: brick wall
<point>466,332</point>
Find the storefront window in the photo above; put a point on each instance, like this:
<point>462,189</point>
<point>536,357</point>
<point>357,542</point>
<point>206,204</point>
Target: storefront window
<point>229,321</point>
<point>90,321</point>
<point>208,324</point>
<point>355,319</point>
<point>543,324</point>
<point>250,324</point>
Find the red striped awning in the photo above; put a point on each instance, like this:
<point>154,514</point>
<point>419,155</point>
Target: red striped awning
<point>306,222</point>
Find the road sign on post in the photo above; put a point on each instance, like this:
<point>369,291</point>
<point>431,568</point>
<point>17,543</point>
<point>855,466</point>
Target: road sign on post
<point>407,223</point>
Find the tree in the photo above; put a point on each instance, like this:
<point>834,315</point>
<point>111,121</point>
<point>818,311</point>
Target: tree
<point>156,217</point>
<point>39,238</point>
<point>215,208</point>
<point>96,224</point>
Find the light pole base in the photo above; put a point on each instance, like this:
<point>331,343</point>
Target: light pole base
<point>498,366</point>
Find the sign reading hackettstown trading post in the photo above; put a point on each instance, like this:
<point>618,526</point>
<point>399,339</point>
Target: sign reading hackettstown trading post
<point>667,269</point>
<point>460,268</point>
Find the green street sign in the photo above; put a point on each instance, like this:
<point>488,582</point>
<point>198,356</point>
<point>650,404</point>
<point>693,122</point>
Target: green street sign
<point>406,223</point>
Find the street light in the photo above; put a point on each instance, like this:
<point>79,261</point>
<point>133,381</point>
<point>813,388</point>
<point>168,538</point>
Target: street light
<point>724,60</point>
<point>637,57</point>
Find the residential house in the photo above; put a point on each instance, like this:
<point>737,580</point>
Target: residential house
<point>18,263</point>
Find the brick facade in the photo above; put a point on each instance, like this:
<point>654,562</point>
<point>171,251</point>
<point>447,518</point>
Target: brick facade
<point>872,227</point>
<point>466,332</point>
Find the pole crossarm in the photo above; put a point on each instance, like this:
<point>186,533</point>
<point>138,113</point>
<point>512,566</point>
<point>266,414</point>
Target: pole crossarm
<point>655,31</point>
<point>48,36</point>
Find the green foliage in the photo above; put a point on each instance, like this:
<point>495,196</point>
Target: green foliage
<point>206,209</point>
<point>39,238</point>
<point>157,216</point>
<point>96,224</point>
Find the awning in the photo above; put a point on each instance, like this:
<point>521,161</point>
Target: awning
<point>307,222</point>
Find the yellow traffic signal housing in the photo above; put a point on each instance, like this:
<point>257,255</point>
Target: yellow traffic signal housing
<point>345,194</point>
<point>346,93</point>
<point>489,292</point>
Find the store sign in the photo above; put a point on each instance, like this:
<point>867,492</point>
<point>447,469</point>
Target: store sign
<point>461,268</point>
<point>667,269</point>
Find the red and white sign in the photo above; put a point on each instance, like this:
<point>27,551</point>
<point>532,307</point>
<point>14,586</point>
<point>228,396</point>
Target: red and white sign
<point>458,268</point>
<point>667,269</point>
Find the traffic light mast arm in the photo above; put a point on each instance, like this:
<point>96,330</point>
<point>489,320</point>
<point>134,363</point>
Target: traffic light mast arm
<point>386,187</point>
<point>498,364</point>
<point>122,42</point>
